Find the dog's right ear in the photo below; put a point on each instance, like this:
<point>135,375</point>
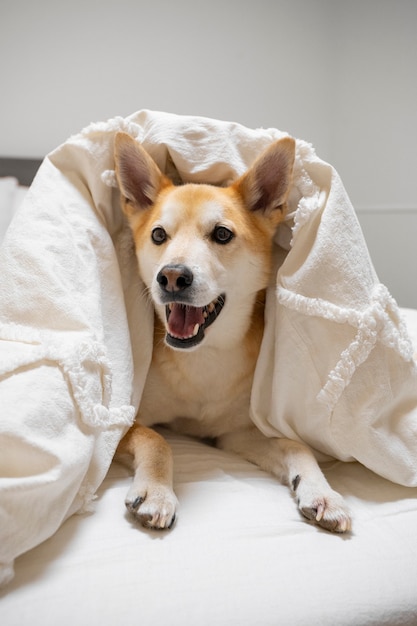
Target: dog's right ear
<point>139,178</point>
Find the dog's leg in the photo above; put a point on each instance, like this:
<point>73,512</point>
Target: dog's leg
<point>295,465</point>
<point>151,498</point>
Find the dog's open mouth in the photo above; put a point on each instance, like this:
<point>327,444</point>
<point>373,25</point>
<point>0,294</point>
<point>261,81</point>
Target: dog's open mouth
<point>186,324</point>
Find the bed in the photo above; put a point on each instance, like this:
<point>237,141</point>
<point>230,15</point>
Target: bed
<point>240,552</point>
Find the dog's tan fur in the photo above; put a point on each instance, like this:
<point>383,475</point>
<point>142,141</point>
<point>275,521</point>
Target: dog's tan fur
<point>201,384</point>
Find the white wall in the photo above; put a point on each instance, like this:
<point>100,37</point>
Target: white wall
<point>374,126</point>
<point>339,74</point>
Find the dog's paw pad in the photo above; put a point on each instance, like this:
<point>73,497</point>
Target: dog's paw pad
<point>154,507</point>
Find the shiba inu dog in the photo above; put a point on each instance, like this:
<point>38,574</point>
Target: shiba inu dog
<point>205,256</point>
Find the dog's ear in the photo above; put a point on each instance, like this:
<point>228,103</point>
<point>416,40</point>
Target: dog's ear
<point>138,176</point>
<point>265,186</point>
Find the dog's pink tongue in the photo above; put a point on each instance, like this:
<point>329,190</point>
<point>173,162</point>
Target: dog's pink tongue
<point>183,319</point>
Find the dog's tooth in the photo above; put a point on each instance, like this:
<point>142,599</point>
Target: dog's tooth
<point>205,314</point>
<point>195,331</point>
<point>210,307</point>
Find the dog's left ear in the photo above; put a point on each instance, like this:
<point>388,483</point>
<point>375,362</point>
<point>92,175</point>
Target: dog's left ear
<point>265,186</point>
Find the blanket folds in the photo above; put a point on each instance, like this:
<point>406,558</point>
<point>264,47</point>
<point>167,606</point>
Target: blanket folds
<point>336,368</point>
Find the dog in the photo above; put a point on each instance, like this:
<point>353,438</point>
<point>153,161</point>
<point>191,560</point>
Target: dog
<point>204,254</point>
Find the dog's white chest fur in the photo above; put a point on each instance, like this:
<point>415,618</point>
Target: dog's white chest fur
<point>204,393</point>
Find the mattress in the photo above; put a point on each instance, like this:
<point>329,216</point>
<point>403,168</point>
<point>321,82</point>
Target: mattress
<point>240,553</point>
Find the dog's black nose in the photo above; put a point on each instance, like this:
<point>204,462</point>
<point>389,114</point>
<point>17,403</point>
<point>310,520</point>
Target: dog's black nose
<point>175,277</point>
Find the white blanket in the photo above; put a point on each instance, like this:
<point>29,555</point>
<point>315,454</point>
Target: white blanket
<point>335,369</point>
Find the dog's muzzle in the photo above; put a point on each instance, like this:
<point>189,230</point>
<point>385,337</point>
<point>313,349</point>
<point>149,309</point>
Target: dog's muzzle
<point>185,323</point>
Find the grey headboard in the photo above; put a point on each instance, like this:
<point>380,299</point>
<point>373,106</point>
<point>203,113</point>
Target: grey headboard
<point>22,169</point>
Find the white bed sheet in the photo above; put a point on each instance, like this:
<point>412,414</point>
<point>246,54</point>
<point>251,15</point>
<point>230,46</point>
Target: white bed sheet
<point>240,553</point>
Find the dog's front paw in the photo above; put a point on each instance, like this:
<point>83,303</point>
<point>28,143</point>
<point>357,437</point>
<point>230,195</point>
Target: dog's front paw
<point>326,508</point>
<point>154,506</point>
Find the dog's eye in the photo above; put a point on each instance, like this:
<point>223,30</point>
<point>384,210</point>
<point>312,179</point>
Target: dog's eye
<point>221,234</point>
<point>158,235</point>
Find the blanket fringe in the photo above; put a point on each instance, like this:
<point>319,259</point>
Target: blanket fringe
<point>78,363</point>
<point>87,495</point>
<point>380,321</point>
<point>108,177</point>
<point>308,191</point>
<point>111,126</point>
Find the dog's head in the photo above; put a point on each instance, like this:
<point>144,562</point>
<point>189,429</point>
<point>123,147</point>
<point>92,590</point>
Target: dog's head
<point>204,252</point>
